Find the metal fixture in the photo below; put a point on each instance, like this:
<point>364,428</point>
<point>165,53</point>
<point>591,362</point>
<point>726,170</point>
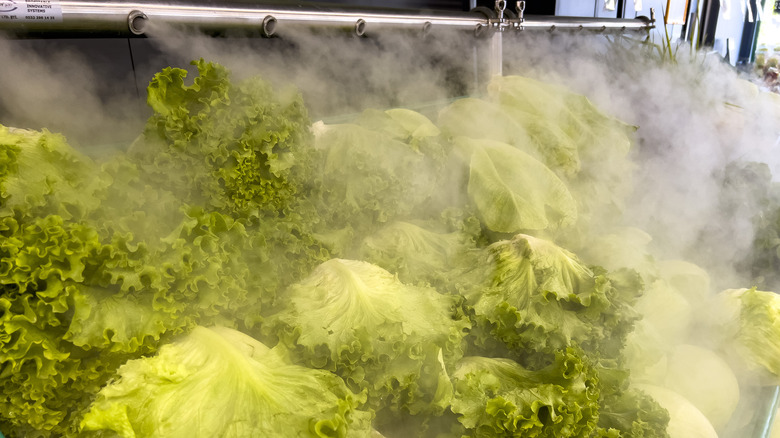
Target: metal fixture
<point>136,22</point>
<point>520,11</point>
<point>269,25</point>
<point>120,18</point>
<point>360,27</point>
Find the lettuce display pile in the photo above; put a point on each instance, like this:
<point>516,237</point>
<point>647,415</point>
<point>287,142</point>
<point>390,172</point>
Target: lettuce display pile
<point>240,271</point>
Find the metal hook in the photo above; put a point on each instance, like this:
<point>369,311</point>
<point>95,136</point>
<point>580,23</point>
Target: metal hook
<point>500,7</point>
<point>520,6</point>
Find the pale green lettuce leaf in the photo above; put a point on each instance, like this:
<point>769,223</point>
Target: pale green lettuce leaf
<point>360,321</point>
<point>513,191</point>
<point>417,254</point>
<point>541,297</point>
<point>747,325</point>
<point>221,382</point>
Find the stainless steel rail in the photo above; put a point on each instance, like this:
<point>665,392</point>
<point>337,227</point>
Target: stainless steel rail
<point>119,18</point>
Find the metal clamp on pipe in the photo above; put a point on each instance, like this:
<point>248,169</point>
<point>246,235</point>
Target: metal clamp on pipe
<point>360,27</point>
<point>136,22</point>
<point>269,26</point>
<point>499,23</point>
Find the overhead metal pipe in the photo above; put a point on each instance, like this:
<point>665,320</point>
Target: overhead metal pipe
<point>100,17</point>
<point>579,23</point>
<point>119,18</point>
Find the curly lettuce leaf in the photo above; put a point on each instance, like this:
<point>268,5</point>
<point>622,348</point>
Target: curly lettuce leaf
<point>419,255</point>
<point>232,146</point>
<point>629,412</point>
<point>369,177</point>
<point>541,297</point>
<point>498,397</point>
<point>40,174</point>
<point>74,308</point>
<point>746,325</point>
<point>104,282</point>
<point>46,380</point>
<point>248,389</point>
<point>360,321</point>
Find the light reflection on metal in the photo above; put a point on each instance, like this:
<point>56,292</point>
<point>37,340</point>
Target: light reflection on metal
<point>111,17</point>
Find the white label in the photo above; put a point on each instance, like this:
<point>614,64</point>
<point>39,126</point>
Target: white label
<point>27,11</point>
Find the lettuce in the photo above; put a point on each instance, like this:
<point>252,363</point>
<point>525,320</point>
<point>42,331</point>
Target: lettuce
<point>685,420</point>
<point>250,390</point>
<point>513,191</point>
<point>407,126</point>
<point>40,174</point>
<point>229,146</point>
<point>230,211</point>
<point>380,335</point>
<point>75,307</point>
<point>468,117</point>
<point>371,177</point>
<point>497,397</point>
<point>43,377</point>
<point>586,149</point>
<point>241,152</point>
<point>626,411</point>
<point>103,262</point>
<point>541,297</point>
<point>746,325</point>
<point>419,255</point>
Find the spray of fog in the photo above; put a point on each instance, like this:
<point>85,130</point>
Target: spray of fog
<point>339,73</point>
<point>54,85</point>
<point>694,116</point>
